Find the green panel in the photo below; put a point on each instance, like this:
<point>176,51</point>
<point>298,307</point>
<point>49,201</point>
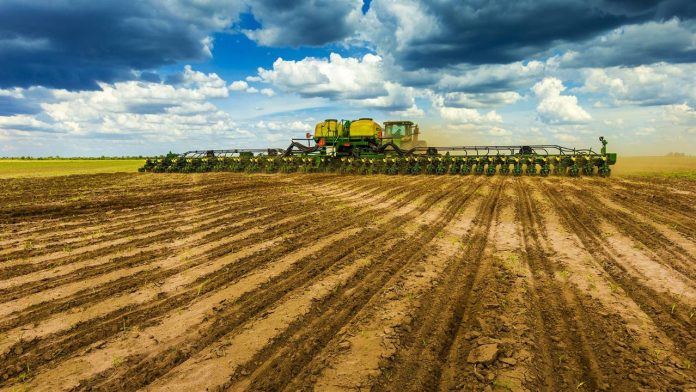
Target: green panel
<point>611,158</point>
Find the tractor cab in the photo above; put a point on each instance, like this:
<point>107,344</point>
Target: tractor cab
<point>402,133</point>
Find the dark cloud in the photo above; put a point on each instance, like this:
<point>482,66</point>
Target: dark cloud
<point>304,23</point>
<point>74,44</point>
<point>505,31</point>
<point>633,45</point>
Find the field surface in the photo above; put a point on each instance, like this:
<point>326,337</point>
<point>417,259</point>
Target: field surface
<point>63,167</point>
<point>238,282</point>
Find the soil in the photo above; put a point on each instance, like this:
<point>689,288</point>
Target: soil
<point>222,281</point>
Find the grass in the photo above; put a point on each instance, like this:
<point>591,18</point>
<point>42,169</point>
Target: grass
<point>62,167</point>
<point>666,167</point>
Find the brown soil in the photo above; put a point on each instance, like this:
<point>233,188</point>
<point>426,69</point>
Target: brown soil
<point>224,281</point>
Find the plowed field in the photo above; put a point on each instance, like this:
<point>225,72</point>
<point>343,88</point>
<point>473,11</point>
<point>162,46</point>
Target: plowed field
<point>237,282</point>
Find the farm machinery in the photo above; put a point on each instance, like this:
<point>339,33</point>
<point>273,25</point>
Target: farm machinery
<point>365,147</point>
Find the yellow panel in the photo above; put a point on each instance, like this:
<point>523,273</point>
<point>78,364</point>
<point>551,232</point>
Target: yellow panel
<point>364,128</point>
<point>319,130</point>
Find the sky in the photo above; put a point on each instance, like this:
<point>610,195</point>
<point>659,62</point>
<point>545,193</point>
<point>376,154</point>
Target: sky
<point>92,78</point>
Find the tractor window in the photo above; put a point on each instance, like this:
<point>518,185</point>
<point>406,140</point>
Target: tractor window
<point>396,130</point>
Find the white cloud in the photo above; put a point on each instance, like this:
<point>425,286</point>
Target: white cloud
<point>564,137</point>
<point>339,77</point>
<point>456,115</point>
<point>411,112</point>
<point>489,78</point>
<point>645,131</point>
<point>278,125</point>
<point>210,85</point>
<point>362,82</point>
<point>683,116</point>
<point>497,131</point>
<point>656,84</point>
<point>464,115</point>
<point>239,85</point>
<point>13,93</point>
<point>555,108</point>
<point>146,109</point>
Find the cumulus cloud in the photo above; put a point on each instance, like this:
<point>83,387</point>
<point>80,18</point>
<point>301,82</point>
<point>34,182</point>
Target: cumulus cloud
<point>337,77</point>
<point>657,84</point>
<point>464,115</point>
<point>360,81</point>
<point>134,108</point>
<point>682,116</point>
<point>555,108</point>
<point>239,85</point>
<point>458,115</point>
<point>303,23</point>
<point>493,77</point>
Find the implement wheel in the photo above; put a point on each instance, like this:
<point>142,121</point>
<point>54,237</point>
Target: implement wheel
<point>574,171</point>
<point>531,170</point>
<point>490,170</point>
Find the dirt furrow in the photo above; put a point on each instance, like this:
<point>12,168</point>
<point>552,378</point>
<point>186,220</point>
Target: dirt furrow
<point>31,256</point>
<point>253,303</point>
<point>103,220</point>
<point>669,314</point>
<point>635,350</point>
<point>364,345</point>
<point>91,268</point>
<point>422,354</point>
<point>75,239</point>
<point>219,234</point>
<point>221,237</point>
<point>662,250</point>
<point>220,218</point>
<point>575,361</point>
<point>97,310</point>
<point>104,326</point>
<point>310,334</point>
<point>213,226</point>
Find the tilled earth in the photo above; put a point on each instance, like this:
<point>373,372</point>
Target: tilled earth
<point>323,282</point>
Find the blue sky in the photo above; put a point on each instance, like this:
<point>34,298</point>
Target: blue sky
<point>79,77</point>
